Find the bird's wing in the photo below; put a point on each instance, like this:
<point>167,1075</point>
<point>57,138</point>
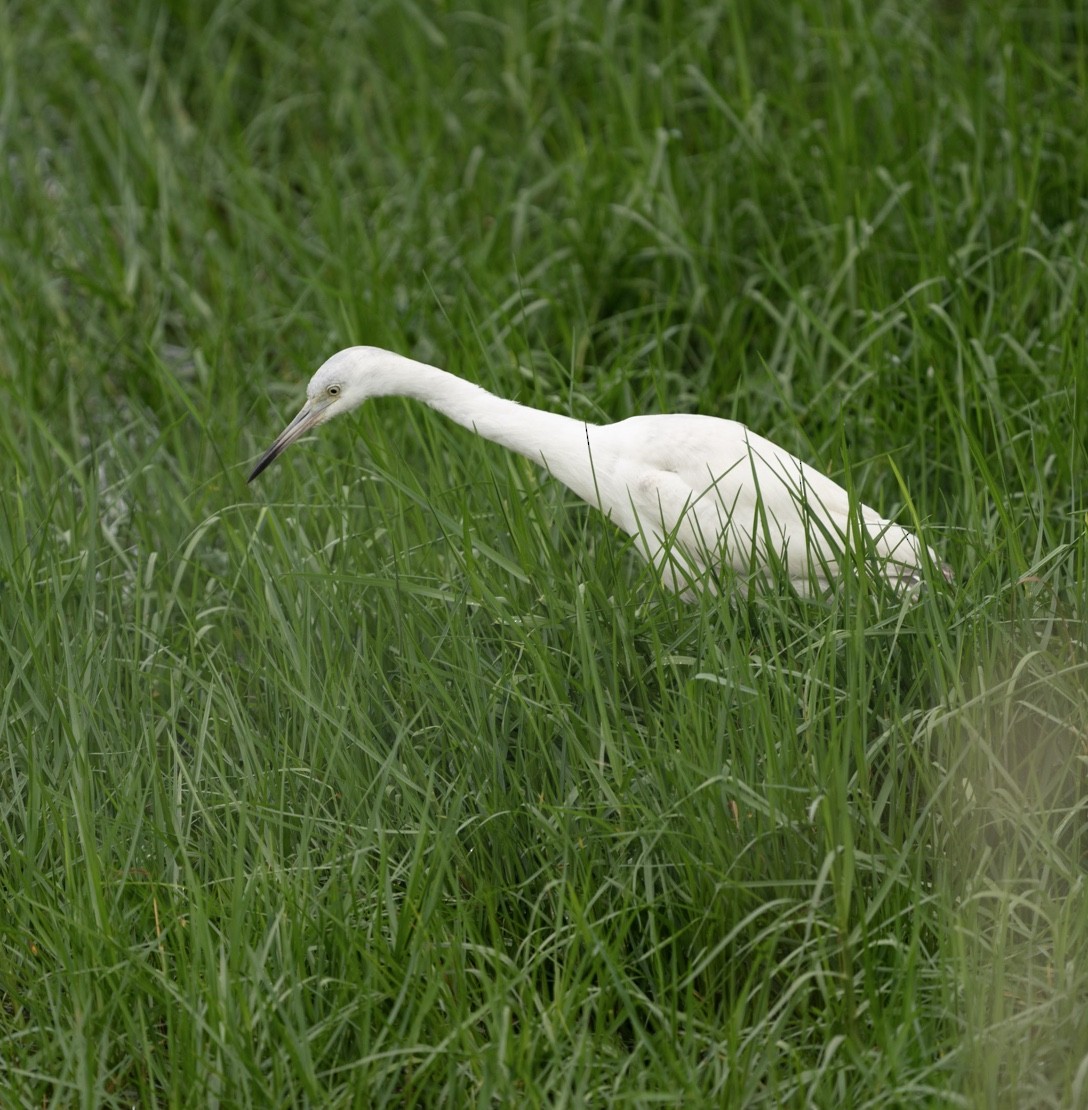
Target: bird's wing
<point>724,495</point>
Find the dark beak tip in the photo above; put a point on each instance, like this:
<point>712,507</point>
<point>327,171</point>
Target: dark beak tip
<point>263,464</point>
<point>305,420</point>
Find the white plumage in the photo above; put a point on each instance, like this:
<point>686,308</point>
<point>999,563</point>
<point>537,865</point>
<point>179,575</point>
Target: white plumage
<point>699,494</point>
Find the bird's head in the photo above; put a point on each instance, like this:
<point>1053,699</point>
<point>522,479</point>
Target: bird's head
<point>342,383</point>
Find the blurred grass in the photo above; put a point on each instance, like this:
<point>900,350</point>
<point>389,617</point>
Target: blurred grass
<point>397,781</point>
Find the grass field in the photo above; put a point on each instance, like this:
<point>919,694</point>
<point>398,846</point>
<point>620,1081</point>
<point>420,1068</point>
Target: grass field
<point>395,779</point>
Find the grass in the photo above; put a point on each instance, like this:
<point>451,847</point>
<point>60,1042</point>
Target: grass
<point>396,780</point>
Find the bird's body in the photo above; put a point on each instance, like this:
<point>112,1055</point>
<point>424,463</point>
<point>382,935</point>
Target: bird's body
<point>698,493</point>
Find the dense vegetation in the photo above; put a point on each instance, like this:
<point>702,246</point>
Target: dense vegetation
<point>396,779</point>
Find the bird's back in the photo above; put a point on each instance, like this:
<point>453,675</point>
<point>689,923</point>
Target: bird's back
<point>702,493</point>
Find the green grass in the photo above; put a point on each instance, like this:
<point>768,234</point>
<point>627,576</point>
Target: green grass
<point>396,780</point>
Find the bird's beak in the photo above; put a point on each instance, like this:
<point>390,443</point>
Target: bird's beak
<point>311,415</point>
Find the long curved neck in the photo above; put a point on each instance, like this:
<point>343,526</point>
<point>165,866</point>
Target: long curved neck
<point>560,444</point>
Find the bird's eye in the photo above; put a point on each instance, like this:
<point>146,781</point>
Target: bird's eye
<point>333,391</point>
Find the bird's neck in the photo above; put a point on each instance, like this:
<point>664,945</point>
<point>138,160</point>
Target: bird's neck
<point>558,443</point>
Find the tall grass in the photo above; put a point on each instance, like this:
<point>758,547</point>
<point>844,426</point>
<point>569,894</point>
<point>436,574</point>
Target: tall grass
<point>398,780</point>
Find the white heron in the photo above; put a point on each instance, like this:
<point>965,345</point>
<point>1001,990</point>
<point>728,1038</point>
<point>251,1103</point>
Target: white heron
<point>697,493</point>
